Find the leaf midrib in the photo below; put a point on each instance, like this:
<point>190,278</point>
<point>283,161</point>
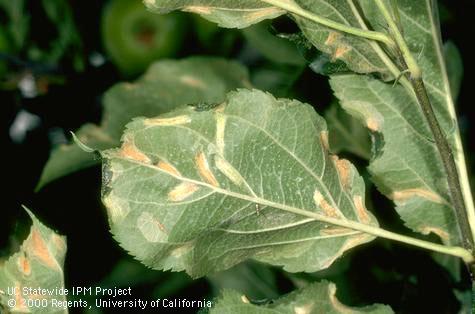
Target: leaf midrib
<point>351,224</point>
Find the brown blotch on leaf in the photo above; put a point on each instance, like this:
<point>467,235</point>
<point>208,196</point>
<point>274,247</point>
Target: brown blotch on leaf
<point>197,9</point>
<point>129,151</point>
<point>441,233</point>
<point>220,108</point>
<point>343,167</point>
<point>168,168</point>
<point>361,211</point>
<point>405,195</point>
<point>178,120</point>
<point>332,37</point>
<point>340,52</point>
<point>305,309</point>
<point>192,81</point>
<point>24,264</point>
<point>39,248</point>
<point>204,170</point>
<point>182,191</point>
<point>373,124</point>
<point>323,204</point>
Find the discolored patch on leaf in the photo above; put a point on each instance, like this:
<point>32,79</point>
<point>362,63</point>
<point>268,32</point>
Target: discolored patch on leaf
<point>24,264</point>
<point>152,229</point>
<point>182,191</point>
<point>361,211</point>
<point>192,8</point>
<point>130,151</point>
<point>373,124</point>
<point>441,233</point>
<point>204,170</point>
<point>227,13</point>
<point>406,195</point>
<point>220,129</point>
<point>192,81</point>
<point>343,167</point>
<point>244,299</point>
<point>324,140</point>
<point>229,171</point>
<point>332,37</point>
<point>324,205</point>
<point>170,121</point>
<point>340,52</point>
<point>257,155</point>
<point>117,209</point>
<point>36,246</point>
<point>167,167</point>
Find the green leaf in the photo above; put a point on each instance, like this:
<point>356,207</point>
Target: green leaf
<point>38,264</point>
<point>226,13</point>
<point>361,55</point>
<point>347,133</point>
<point>203,190</point>
<point>406,165</point>
<point>454,64</point>
<point>318,297</point>
<point>276,49</point>
<point>166,85</point>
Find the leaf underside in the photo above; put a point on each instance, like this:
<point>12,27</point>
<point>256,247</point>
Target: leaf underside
<point>319,297</point>
<point>406,165</point>
<point>203,190</point>
<point>405,168</point>
<point>361,55</point>
<point>166,85</point>
<point>38,264</point>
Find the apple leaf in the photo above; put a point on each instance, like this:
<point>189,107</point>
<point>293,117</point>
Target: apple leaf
<point>253,178</point>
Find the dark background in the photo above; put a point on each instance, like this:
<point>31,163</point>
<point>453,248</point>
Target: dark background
<point>407,279</point>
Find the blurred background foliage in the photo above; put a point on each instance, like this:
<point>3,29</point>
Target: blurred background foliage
<point>58,57</point>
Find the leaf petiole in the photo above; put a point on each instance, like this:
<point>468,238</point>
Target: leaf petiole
<point>292,7</point>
